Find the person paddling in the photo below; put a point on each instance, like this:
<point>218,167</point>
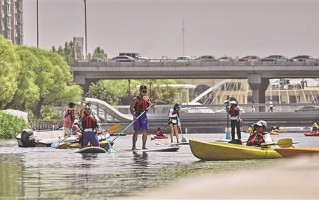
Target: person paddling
<point>260,137</point>
<point>139,106</point>
<point>90,126</point>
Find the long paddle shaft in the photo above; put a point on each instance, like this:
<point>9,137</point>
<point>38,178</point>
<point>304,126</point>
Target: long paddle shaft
<point>180,130</point>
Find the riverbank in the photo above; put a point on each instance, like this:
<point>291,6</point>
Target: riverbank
<point>295,178</point>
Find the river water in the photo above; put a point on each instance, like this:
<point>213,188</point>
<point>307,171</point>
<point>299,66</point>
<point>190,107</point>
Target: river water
<point>47,173</point>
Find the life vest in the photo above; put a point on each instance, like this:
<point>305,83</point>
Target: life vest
<point>69,117</point>
<point>159,133</point>
<point>89,122</point>
<point>255,139</point>
<point>142,104</point>
<point>234,111</point>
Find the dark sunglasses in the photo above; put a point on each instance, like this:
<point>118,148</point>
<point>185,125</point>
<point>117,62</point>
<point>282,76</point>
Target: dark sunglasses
<point>144,91</point>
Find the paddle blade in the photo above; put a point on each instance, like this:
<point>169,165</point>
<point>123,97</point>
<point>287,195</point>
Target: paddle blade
<point>183,139</point>
<point>115,128</point>
<point>284,142</point>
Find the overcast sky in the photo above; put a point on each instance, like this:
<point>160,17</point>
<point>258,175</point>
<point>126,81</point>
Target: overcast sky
<point>154,27</point>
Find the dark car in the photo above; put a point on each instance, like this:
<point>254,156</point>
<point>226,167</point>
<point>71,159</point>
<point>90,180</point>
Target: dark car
<point>308,108</point>
<point>275,58</point>
<point>301,58</point>
<point>206,58</point>
<point>123,59</point>
<point>249,58</point>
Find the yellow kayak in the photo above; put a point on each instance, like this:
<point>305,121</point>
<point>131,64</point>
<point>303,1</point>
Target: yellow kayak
<point>291,152</point>
<point>226,151</point>
<point>78,145</point>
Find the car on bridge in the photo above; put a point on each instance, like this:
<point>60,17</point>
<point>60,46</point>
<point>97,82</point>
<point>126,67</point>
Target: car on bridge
<point>206,58</point>
<point>308,108</point>
<point>183,59</point>
<point>275,58</point>
<point>123,59</point>
<point>249,58</point>
<point>225,59</point>
<point>302,58</point>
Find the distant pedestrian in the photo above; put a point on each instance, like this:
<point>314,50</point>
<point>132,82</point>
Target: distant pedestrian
<point>271,106</point>
<point>253,109</point>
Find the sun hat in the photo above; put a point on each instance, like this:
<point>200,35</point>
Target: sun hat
<point>261,123</point>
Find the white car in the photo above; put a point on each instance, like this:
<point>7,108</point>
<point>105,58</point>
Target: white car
<point>123,59</point>
<point>183,59</point>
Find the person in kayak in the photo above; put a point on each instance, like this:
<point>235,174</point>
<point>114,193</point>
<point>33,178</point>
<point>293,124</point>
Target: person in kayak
<point>260,137</point>
<point>89,126</point>
<point>315,128</point>
<point>140,105</point>
<point>173,121</point>
<point>159,132</point>
<point>234,112</point>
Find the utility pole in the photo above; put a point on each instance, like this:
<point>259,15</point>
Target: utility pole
<point>37,23</point>
<point>183,32</point>
<point>85,27</point>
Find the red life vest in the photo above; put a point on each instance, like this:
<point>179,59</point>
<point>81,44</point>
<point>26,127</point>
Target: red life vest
<point>255,139</point>
<point>142,104</point>
<point>234,111</point>
<point>89,122</point>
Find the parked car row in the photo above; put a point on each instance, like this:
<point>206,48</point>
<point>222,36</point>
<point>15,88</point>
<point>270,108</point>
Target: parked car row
<point>131,57</point>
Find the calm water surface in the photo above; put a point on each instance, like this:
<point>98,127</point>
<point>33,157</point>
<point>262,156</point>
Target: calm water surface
<point>47,173</point>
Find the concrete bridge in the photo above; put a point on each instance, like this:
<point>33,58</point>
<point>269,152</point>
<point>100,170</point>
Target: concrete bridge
<point>257,73</point>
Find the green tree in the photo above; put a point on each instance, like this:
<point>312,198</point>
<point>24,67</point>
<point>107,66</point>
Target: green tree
<point>28,92</point>
<point>67,51</point>
<point>99,54</point>
<point>9,70</point>
<point>53,79</point>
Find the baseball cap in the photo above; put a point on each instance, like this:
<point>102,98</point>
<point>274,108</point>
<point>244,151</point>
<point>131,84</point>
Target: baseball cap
<point>261,123</point>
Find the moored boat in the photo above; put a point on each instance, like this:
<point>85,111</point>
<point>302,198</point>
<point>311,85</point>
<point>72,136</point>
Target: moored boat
<point>291,152</point>
<point>210,151</point>
<point>30,138</point>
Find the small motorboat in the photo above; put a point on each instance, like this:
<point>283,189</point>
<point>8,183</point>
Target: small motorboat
<point>31,138</point>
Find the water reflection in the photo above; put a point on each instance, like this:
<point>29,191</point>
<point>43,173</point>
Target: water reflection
<point>140,159</point>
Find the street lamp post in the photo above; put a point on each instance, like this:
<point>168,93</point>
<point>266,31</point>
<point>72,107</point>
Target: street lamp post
<point>37,23</point>
<point>85,27</point>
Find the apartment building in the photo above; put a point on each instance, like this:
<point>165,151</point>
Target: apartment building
<point>11,20</point>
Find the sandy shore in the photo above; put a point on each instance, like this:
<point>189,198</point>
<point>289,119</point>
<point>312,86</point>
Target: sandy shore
<point>294,178</point>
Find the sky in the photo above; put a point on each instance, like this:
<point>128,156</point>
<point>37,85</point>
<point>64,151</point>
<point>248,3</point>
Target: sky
<point>153,28</point>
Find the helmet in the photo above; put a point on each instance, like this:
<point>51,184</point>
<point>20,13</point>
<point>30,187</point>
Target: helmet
<point>177,105</point>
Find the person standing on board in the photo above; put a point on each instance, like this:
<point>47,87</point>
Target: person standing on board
<point>234,112</point>
<point>173,121</point>
<point>89,126</point>
<point>139,105</point>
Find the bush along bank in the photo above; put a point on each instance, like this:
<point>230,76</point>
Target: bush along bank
<point>10,125</point>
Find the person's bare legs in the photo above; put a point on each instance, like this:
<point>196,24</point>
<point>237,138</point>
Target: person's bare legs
<point>144,139</point>
<point>176,132</point>
<point>135,134</point>
<point>171,126</point>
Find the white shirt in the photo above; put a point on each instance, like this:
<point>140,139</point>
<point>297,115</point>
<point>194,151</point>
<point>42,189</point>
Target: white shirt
<point>267,138</point>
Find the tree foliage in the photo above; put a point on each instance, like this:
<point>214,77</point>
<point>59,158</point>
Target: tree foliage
<point>9,70</point>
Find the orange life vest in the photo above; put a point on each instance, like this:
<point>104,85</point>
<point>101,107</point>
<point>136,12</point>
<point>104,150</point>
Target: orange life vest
<point>255,139</point>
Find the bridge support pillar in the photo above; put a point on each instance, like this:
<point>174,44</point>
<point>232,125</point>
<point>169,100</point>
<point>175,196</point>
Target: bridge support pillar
<point>258,86</point>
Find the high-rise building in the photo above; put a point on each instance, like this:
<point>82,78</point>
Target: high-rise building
<point>11,20</point>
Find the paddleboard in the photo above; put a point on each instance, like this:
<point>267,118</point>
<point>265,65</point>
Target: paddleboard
<point>162,149</point>
<point>180,143</point>
<point>91,150</point>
